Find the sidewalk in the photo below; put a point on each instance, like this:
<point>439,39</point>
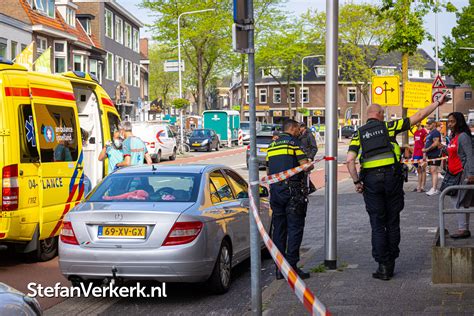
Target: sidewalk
<point>351,290</point>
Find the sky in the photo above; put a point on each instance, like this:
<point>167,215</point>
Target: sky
<point>446,21</point>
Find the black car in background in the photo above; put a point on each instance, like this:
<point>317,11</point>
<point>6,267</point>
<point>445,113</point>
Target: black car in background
<point>204,139</point>
<point>347,131</point>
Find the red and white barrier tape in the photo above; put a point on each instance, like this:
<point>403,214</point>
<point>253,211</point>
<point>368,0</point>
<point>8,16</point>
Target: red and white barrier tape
<point>412,161</point>
<point>304,294</point>
<point>282,176</point>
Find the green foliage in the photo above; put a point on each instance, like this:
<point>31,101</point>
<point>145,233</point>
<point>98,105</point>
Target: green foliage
<point>458,61</point>
<point>319,269</point>
<point>303,111</point>
<point>236,107</point>
<point>180,103</point>
<point>162,83</point>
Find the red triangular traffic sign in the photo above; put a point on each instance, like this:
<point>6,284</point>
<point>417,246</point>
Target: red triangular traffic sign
<point>438,83</point>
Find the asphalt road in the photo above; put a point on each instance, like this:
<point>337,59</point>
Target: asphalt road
<point>182,299</point>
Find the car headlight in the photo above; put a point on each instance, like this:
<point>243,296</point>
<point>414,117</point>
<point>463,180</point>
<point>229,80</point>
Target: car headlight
<point>204,142</point>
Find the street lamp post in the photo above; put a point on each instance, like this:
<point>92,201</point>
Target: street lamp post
<point>302,78</point>
<point>179,67</point>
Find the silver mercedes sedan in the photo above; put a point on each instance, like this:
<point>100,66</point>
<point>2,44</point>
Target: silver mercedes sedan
<point>170,223</point>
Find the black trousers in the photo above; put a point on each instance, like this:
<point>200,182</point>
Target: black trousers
<point>384,200</point>
<point>288,226</point>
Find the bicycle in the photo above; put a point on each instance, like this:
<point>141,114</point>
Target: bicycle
<point>182,147</point>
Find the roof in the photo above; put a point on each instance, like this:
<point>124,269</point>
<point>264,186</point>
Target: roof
<point>392,59</point>
<point>57,24</point>
<point>197,168</point>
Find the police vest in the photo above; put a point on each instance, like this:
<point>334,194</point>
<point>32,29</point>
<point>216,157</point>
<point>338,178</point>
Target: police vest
<point>377,150</point>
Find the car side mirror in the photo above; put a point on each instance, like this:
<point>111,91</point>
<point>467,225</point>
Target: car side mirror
<point>263,191</point>
<point>92,140</point>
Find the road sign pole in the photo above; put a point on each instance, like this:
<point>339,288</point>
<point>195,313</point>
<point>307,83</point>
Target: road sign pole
<point>255,261</point>
<point>332,8</point>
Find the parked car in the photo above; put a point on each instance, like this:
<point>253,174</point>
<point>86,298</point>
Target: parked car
<point>271,127</point>
<point>264,140</point>
<point>347,131</point>
<point>159,139</point>
<point>204,139</point>
<point>245,127</point>
<point>170,223</point>
<point>13,302</point>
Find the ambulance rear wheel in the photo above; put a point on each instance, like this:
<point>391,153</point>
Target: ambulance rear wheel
<point>47,250</point>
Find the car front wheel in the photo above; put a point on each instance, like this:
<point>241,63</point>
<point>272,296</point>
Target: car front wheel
<point>221,275</point>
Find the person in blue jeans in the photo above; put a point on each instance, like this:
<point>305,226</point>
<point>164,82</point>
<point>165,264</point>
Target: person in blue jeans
<point>133,148</point>
<point>432,151</point>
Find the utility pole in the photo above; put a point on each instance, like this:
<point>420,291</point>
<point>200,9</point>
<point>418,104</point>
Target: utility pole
<point>332,80</point>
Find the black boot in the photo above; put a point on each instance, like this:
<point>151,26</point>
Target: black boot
<point>303,275</point>
<point>382,273</point>
<point>391,268</point>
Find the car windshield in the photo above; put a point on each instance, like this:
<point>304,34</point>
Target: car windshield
<point>164,187</point>
<point>201,133</point>
<point>264,140</point>
<point>267,128</point>
<point>245,126</point>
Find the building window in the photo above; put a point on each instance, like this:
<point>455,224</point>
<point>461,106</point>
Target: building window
<point>70,17</point>
<point>60,54</point>
<point>110,67</point>
<point>136,40</point>
<point>118,68</point>
<point>136,75</point>
<point>79,63</point>
<point>351,95</point>
<point>109,24</point>
<point>468,95</point>
<point>119,30</point>
<point>247,96</point>
<point>410,73</point>
<point>87,26</point>
<point>3,47</point>
<point>128,35</point>
<point>421,74</point>
<point>145,88</point>
<point>262,96</point>
<point>99,71</point>
<point>41,45</point>
<point>45,7</point>
<point>128,72</point>
<point>23,47</point>
<point>305,95</point>
<point>13,49</point>
<point>93,66</point>
<point>292,95</point>
<point>276,95</point>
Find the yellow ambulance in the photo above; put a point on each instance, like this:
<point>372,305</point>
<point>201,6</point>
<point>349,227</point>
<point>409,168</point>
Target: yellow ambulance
<point>52,129</point>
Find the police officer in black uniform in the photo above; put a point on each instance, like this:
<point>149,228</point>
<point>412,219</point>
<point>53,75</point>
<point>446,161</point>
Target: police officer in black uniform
<point>381,180</point>
<point>289,198</point>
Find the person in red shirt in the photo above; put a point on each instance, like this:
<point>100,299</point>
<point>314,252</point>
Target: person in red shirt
<point>420,137</point>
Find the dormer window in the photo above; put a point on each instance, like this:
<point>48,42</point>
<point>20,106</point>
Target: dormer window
<point>71,17</point>
<point>44,6</point>
<point>85,20</point>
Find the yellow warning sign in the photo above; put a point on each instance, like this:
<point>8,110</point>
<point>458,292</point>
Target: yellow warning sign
<point>417,95</point>
<point>386,90</point>
<point>411,112</point>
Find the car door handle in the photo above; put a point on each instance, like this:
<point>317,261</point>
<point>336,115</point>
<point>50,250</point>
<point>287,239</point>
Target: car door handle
<point>79,167</point>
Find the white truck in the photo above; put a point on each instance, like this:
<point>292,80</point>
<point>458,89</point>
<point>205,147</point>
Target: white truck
<point>158,137</point>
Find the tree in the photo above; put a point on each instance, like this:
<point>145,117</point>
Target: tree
<point>280,52</point>
<point>360,36</point>
<point>457,54</point>
<point>180,104</point>
<point>162,83</point>
<point>205,37</point>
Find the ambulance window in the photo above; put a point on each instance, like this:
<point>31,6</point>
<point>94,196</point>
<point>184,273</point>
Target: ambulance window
<point>28,149</point>
<point>114,122</point>
<point>58,135</point>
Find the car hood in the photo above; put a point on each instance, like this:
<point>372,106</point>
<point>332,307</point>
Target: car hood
<point>198,139</point>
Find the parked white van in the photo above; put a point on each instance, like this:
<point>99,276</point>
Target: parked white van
<point>158,137</point>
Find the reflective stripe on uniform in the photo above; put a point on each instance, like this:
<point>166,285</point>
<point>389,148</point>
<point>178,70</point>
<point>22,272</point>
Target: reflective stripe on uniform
<point>380,160</point>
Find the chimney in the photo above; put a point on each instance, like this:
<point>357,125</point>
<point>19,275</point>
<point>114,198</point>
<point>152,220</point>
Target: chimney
<point>144,47</point>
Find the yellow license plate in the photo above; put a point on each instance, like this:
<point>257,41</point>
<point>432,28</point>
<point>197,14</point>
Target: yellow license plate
<point>263,150</point>
<point>196,145</point>
<point>122,231</point>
